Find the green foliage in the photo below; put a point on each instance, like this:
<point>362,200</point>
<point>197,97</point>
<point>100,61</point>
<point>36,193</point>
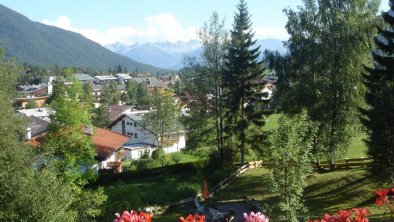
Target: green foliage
<point>204,78</point>
<point>110,94</point>
<point>378,117</point>
<point>100,116</point>
<point>163,119</point>
<point>31,104</point>
<point>39,44</point>
<point>130,176</point>
<point>160,156</point>
<point>242,90</point>
<point>176,159</point>
<point>131,88</point>
<point>120,198</point>
<point>290,159</point>
<point>142,94</point>
<point>73,148</point>
<point>26,193</point>
<point>325,72</point>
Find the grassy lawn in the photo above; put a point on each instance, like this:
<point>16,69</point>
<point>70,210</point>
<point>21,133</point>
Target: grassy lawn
<point>326,192</point>
<point>357,147</point>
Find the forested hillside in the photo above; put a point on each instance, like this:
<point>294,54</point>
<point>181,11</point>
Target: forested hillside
<point>39,44</point>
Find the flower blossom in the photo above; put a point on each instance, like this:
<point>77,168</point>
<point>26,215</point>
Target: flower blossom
<point>382,197</point>
<point>132,216</point>
<point>255,217</point>
<point>191,218</point>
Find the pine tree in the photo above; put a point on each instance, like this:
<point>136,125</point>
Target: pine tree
<point>241,80</point>
<point>379,117</point>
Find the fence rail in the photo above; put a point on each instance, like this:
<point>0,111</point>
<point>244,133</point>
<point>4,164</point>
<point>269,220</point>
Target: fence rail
<point>345,163</point>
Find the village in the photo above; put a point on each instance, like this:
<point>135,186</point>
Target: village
<point>124,138</point>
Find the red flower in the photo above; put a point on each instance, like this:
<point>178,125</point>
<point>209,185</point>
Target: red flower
<point>382,197</point>
<point>132,216</point>
<point>191,218</point>
<point>344,215</point>
<point>361,214</point>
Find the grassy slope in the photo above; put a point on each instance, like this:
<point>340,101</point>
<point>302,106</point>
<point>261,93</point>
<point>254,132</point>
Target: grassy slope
<point>326,192</point>
<point>357,147</point>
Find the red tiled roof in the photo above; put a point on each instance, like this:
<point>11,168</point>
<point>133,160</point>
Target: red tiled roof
<point>107,142</point>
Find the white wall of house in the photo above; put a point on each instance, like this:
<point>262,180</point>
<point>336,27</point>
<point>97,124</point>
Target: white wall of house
<point>136,153</point>
<point>104,164</point>
<point>175,147</point>
<point>134,131</point>
<point>138,134</point>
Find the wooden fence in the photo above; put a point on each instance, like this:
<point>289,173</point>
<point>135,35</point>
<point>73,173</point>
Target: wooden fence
<point>346,163</point>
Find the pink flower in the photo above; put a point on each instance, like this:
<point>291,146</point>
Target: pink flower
<point>361,214</point>
<point>132,216</point>
<point>258,217</point>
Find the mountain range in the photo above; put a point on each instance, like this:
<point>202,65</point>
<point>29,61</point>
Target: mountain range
<point>38,44</point>
<point>171,55</point>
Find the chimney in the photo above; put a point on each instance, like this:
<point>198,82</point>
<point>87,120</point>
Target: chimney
<point>28,134</point>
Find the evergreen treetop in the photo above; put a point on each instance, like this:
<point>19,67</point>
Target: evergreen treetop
<point>379,116</point>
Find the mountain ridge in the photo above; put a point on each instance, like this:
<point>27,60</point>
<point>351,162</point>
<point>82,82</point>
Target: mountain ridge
<point>39,44</point>
<point>170,55</point>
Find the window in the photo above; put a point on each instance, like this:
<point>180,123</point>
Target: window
<point>127,123</point>
<point>135,124</point>
<point>135,135</point>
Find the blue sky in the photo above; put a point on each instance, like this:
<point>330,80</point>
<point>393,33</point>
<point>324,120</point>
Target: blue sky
<point>130,21</point>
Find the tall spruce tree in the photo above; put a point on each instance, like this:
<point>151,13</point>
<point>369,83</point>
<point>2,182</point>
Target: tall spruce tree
<point>241,82</point>
<point>379,116</point>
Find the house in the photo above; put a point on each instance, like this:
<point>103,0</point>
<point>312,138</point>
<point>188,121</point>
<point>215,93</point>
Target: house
<point>123,78</point>
<point>22,102</point>
<point>98,90</point>
<point>104,79</point>
<point>109,149</point>
<point>108,144</point>
<point>114,111</point>
<point>32,90</point>
<point>41,113</point>
<point>151,82</point>
<point>142,140</point>
<point>35,128</point>
<point>36,93</point>
<point>84,78</point>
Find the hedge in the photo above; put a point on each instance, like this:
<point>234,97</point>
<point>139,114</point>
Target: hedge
<point>105,178</point>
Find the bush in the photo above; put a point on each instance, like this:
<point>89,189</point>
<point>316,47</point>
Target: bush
<point>160,157</point>
<point>105,178</point>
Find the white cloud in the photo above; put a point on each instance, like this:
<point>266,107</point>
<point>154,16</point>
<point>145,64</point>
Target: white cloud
<point>161,27</point>
<point>271,32</point>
